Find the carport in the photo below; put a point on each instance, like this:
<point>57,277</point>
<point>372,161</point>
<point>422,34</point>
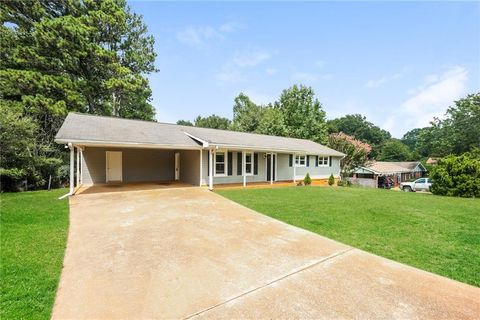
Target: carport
<point>108,168</point>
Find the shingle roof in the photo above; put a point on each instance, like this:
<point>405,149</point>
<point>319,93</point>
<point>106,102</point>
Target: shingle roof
<point>384,167</point>
<point>79,127</point>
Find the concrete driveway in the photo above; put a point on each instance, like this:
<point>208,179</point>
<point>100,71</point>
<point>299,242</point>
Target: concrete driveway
<point>188,253</point>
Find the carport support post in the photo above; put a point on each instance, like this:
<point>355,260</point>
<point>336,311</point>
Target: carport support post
<point>81,166</point>
<point>210,170</point>
<point>244,166</point>
<point>72,172</point>
<point>201,167</point>
<point>294,168</point>
<point>78,166</point>
<point>271,168</point>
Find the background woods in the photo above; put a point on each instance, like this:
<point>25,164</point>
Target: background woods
<point>56,57</point>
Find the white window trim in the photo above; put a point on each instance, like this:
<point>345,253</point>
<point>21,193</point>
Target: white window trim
<point>304,156</point>
<point>323,158</point>
<point>252,162</point>
<point>225,163</point>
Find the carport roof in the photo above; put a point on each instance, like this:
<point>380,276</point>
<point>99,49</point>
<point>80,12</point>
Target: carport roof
<point>100,130</point>
<point>385,167</point>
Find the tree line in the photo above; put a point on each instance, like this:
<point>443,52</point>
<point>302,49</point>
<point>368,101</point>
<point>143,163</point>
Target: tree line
<point>61,56</point>
<point>299,114</point>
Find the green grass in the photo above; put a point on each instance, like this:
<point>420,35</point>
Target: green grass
<point>437,234</point>
<point>33,237</point>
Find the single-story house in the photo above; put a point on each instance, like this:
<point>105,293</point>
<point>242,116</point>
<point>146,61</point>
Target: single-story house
<point>117,150</point>
<point>374,174</point>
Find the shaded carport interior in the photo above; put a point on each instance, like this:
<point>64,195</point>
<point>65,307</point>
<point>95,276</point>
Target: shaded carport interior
<point>142,169</point>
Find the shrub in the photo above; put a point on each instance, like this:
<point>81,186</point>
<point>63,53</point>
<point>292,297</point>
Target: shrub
<point>457,176</point>
<point>331,180</point>
<point>307,180</point>
<point>344,183</point>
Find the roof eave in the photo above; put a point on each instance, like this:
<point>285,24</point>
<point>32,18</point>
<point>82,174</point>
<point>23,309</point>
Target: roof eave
<point>120,144</point>
<point>254,148</point>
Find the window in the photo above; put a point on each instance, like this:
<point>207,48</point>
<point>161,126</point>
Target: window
<point>300,160</point>
<point>322,161</point>
<point>420,181</point>
<point>220,163</point>
<point>248,163</point>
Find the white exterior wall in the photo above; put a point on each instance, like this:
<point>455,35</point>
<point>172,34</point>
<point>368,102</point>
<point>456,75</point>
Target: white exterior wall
<point>283,171</point>
<point>234,178</point>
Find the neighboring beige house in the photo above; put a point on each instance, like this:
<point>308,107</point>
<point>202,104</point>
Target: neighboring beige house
<point>117,150</point>
<point>373,174</point>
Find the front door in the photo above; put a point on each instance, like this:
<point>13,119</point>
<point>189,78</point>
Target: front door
<point>177,165</point>
<point>271,170</point>
<point>114,166</point>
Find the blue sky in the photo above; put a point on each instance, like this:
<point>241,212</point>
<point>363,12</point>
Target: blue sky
<point>397,63</point>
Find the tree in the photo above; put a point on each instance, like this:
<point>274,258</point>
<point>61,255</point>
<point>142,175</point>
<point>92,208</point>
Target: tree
<point>457,133</point>
<point>457,176</point>
<point>213,121</point>
<point>61,56</point>
<point>356,152</point>
<point>185,123</point>
<point>357,126</point>
<point>246,114</point>
<point>395,150</point>
<point>410,138</point>
<point>463,124</point>
<point>303,114</point>
<point>272,122</point>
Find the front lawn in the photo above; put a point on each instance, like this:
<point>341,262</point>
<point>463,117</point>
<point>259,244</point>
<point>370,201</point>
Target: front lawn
<point>437,234</point>
<point>33,236</point>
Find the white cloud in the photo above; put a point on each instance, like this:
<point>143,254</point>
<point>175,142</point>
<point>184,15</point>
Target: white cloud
<point>432,100</point>
<point>258,98</point>
<point>233,69</point>
<point>374,83</point>
<point>231,27</point>
<point>250,58</point>
<point>202,36</point>
<point>271,71</point>
<point>304,77</point>
<point>230,75</point>
<point>310,77</point>
<point>320,63</point>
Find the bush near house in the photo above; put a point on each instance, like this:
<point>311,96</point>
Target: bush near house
<point>307,180</point>
<point>331,180</point>
<point>457,176</point>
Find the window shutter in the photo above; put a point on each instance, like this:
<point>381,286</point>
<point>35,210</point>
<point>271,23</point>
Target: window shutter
<point>239,163</point>
<point>316,161</point>
<point>290,160</point>
<point>255,163</point>
<point>230,163</point>
<point>329,161</point>
<point>308,160</point>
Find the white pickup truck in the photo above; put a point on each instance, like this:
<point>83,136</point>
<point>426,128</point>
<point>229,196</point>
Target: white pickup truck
<point>422,184</point>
